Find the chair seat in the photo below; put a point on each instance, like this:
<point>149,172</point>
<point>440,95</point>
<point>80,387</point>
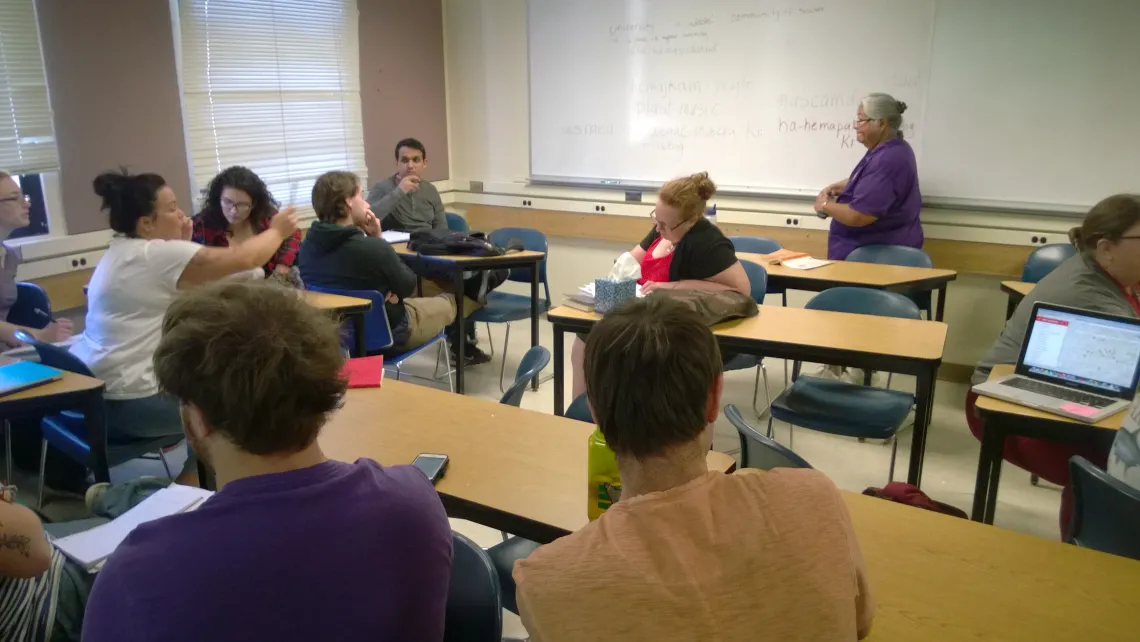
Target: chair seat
<point>742,362</point>
<point>396,358</point>
<point>65,430</point>
<point>503,307</point>
<point>842,408</point>
<point>503,557</point>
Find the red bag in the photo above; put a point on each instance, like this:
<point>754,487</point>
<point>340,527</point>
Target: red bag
<point>903,493</point>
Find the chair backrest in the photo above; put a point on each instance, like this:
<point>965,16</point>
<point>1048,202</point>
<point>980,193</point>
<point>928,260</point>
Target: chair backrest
<point>32,308</point>
<point>755,244</point>
<point>457,223</point>
<point>757,280</point>
<point>1045,259</point>
<point>865,301</point>
<point>757,450</point>
<point>891,255</point>
<point>580,409</point>
<point>377,330</point>
<point>531,240</point>
<point>55,356</point>
<point>473,612</point>
<point>1106,511</point>
<point>532,363</point>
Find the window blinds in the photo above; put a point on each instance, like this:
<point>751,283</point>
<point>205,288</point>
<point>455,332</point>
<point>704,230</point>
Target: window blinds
<point>27,139</point>
<point>273,85</point>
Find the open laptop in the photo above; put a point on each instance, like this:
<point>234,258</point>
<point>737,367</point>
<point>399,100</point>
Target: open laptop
<point>1080,364</point>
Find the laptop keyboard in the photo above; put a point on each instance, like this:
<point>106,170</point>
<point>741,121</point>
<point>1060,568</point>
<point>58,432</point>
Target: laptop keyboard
<point>1059,392</point>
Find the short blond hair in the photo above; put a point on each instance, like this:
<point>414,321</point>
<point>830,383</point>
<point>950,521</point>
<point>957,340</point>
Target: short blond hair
<point>689,194</point>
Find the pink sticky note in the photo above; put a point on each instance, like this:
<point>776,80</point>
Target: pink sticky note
<point>1078,409</point>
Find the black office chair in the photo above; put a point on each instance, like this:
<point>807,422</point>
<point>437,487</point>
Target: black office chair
<point>580,409</point>
<point>474,613</point>
<point>503,557</point>
<point>32,308</point>
<point>1106,511</point>
<point>533,363</point>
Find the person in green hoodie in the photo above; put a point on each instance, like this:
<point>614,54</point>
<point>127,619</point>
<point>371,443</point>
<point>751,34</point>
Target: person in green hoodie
<point>343,249</point>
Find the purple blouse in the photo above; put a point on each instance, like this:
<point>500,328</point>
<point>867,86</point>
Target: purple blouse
<point>884,185</point>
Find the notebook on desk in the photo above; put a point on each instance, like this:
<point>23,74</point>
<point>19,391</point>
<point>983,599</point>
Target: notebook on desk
<point>1075,363</point>
<point>25,374</point>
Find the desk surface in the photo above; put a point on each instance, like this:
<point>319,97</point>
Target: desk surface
<point>989,404</point>
<point>492,447</point>
<point>903,338</point>
<point>326,301</point>
<point>1017,287</point>
<point>522,256</point>
<point>858,274</point>
<point>70,382</point>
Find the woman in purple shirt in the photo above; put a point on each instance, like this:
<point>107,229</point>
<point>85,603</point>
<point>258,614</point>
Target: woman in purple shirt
<point>879,203</point>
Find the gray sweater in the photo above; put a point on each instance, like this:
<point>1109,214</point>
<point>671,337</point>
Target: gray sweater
<point>419,211</point>
<point>1076,283</point>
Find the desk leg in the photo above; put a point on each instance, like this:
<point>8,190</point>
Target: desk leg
<point>533,314</point>
<point>461,331</point>
<point>989,474</point>
<point>941,312</point>
<point>97,434</point>
<point>7,452</point>
<point>559,371</point>
<point>361,346</point>
<point>924,403</point>
<point>1011,305</point>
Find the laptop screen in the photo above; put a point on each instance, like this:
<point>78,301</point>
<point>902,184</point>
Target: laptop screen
<point>1101,354</point>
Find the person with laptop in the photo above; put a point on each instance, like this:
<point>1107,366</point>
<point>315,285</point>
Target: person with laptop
<point>689,554</point>
<point>293,546</point>
<point>1101,278</point>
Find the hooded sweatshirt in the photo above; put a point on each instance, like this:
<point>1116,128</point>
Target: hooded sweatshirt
<point>344,257</point>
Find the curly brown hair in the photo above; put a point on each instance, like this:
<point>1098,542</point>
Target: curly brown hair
<point>689,194</point>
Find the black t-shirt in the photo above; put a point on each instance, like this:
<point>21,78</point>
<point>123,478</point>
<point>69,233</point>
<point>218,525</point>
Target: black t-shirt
<point>703,252</point>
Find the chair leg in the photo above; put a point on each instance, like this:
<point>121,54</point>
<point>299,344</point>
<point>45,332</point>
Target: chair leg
<point>894,451</point>
<point>7,452</point>
<point>165,464</point>
<point>761,373</point>
<point>43,469</point>
<point>770,426</point>
<point>491,338</point>
<point>443,353</point>
<point>1034,479</point>
<point>503,367</point>
<point>397,372</point>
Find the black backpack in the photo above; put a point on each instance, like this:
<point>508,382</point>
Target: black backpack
<point>466,244</point>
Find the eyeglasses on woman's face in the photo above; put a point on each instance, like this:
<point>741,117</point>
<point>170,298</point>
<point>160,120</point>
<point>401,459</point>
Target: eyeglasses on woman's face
<point>662,225</point>
<point>235,206</point>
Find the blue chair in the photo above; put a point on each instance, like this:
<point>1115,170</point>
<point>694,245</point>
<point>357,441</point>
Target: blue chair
<point>841,408</point>
<point>503,556</point>
<point>1045,259</point>
<point>579,409</point>
<point>757,450</point>
<point>1106,511</point>
<point>473,612</point>
<point>761,245</point>
<point>457,223</point>
<point>502,307</point>
<point>898,255</point>
<point>32,308</point>
<point>758,279</point>
<point>533,362</point>
<point>378,333</point>
<point>87,444</point>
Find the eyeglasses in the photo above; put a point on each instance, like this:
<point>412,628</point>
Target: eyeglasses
<point>23,197</point>
<point>653,215</point>
<point>860,121</point>
<point>240,208</point>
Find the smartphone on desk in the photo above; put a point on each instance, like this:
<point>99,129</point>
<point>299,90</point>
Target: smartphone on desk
<point>431,464</point>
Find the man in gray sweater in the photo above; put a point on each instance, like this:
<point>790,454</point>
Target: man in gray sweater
<point>404,201</point>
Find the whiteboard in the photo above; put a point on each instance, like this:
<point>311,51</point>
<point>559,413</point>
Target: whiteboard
<point>1030,104</point>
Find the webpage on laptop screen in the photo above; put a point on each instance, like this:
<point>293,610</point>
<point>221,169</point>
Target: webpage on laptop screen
<point>1090,351</point>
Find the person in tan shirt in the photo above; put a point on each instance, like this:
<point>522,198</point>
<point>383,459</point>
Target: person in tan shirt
<point>688,554</point>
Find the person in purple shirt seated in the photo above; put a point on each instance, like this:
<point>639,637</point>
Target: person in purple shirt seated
<point>293,546</point>
<point>879,203</point>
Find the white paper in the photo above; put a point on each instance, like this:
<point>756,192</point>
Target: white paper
<point>805,263</point>
<point>392,236</point>
<point>92,546</point>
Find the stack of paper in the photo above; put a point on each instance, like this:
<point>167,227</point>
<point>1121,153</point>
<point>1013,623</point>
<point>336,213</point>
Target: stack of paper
<point>805,263</point>
<point>392,236</point>
<point>91,547</point>
<point>779,256</point>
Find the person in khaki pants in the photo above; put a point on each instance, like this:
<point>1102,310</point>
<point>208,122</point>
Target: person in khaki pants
<point>344,250</point>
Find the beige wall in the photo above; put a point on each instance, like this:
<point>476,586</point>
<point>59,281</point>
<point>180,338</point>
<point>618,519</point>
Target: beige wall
<point>402,88</point>
<point>113,80</point>
<point>114,90</point>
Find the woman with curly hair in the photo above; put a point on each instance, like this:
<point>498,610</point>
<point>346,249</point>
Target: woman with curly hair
<point>238,207</point>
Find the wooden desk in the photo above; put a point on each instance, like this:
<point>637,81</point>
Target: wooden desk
<point>1016,291</point>
<point>895,278</point>
<point>456,265</point>
<point>878,343</point>
<point>346,307</point>
<point>935,578</point>
<point>515,470</point>
<point>1002,419</point>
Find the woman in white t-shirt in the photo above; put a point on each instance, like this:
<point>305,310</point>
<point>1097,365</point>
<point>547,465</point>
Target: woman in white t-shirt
<point>147,262</point>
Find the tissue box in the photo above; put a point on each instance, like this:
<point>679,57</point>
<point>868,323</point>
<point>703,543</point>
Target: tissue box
<point>610,293</point>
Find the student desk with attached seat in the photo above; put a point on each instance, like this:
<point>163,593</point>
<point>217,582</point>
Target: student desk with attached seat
<point>1017,290</point>
<point>935,578</point>
<point>349,307</point>
<point>457,265</point>
<point>895,278</point>
<point>1003,419</point>
<point>886,344</point>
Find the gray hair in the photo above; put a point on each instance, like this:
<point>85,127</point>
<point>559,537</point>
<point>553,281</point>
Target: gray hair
<point>884,107</point>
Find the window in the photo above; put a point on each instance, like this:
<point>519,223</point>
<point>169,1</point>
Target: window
<point>273,85</point>
<point>27,139</point>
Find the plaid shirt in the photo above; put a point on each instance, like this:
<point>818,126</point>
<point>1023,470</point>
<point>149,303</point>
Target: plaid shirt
<point>219,237</point>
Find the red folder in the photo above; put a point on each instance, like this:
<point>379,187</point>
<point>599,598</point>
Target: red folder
<point>364,372</point>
